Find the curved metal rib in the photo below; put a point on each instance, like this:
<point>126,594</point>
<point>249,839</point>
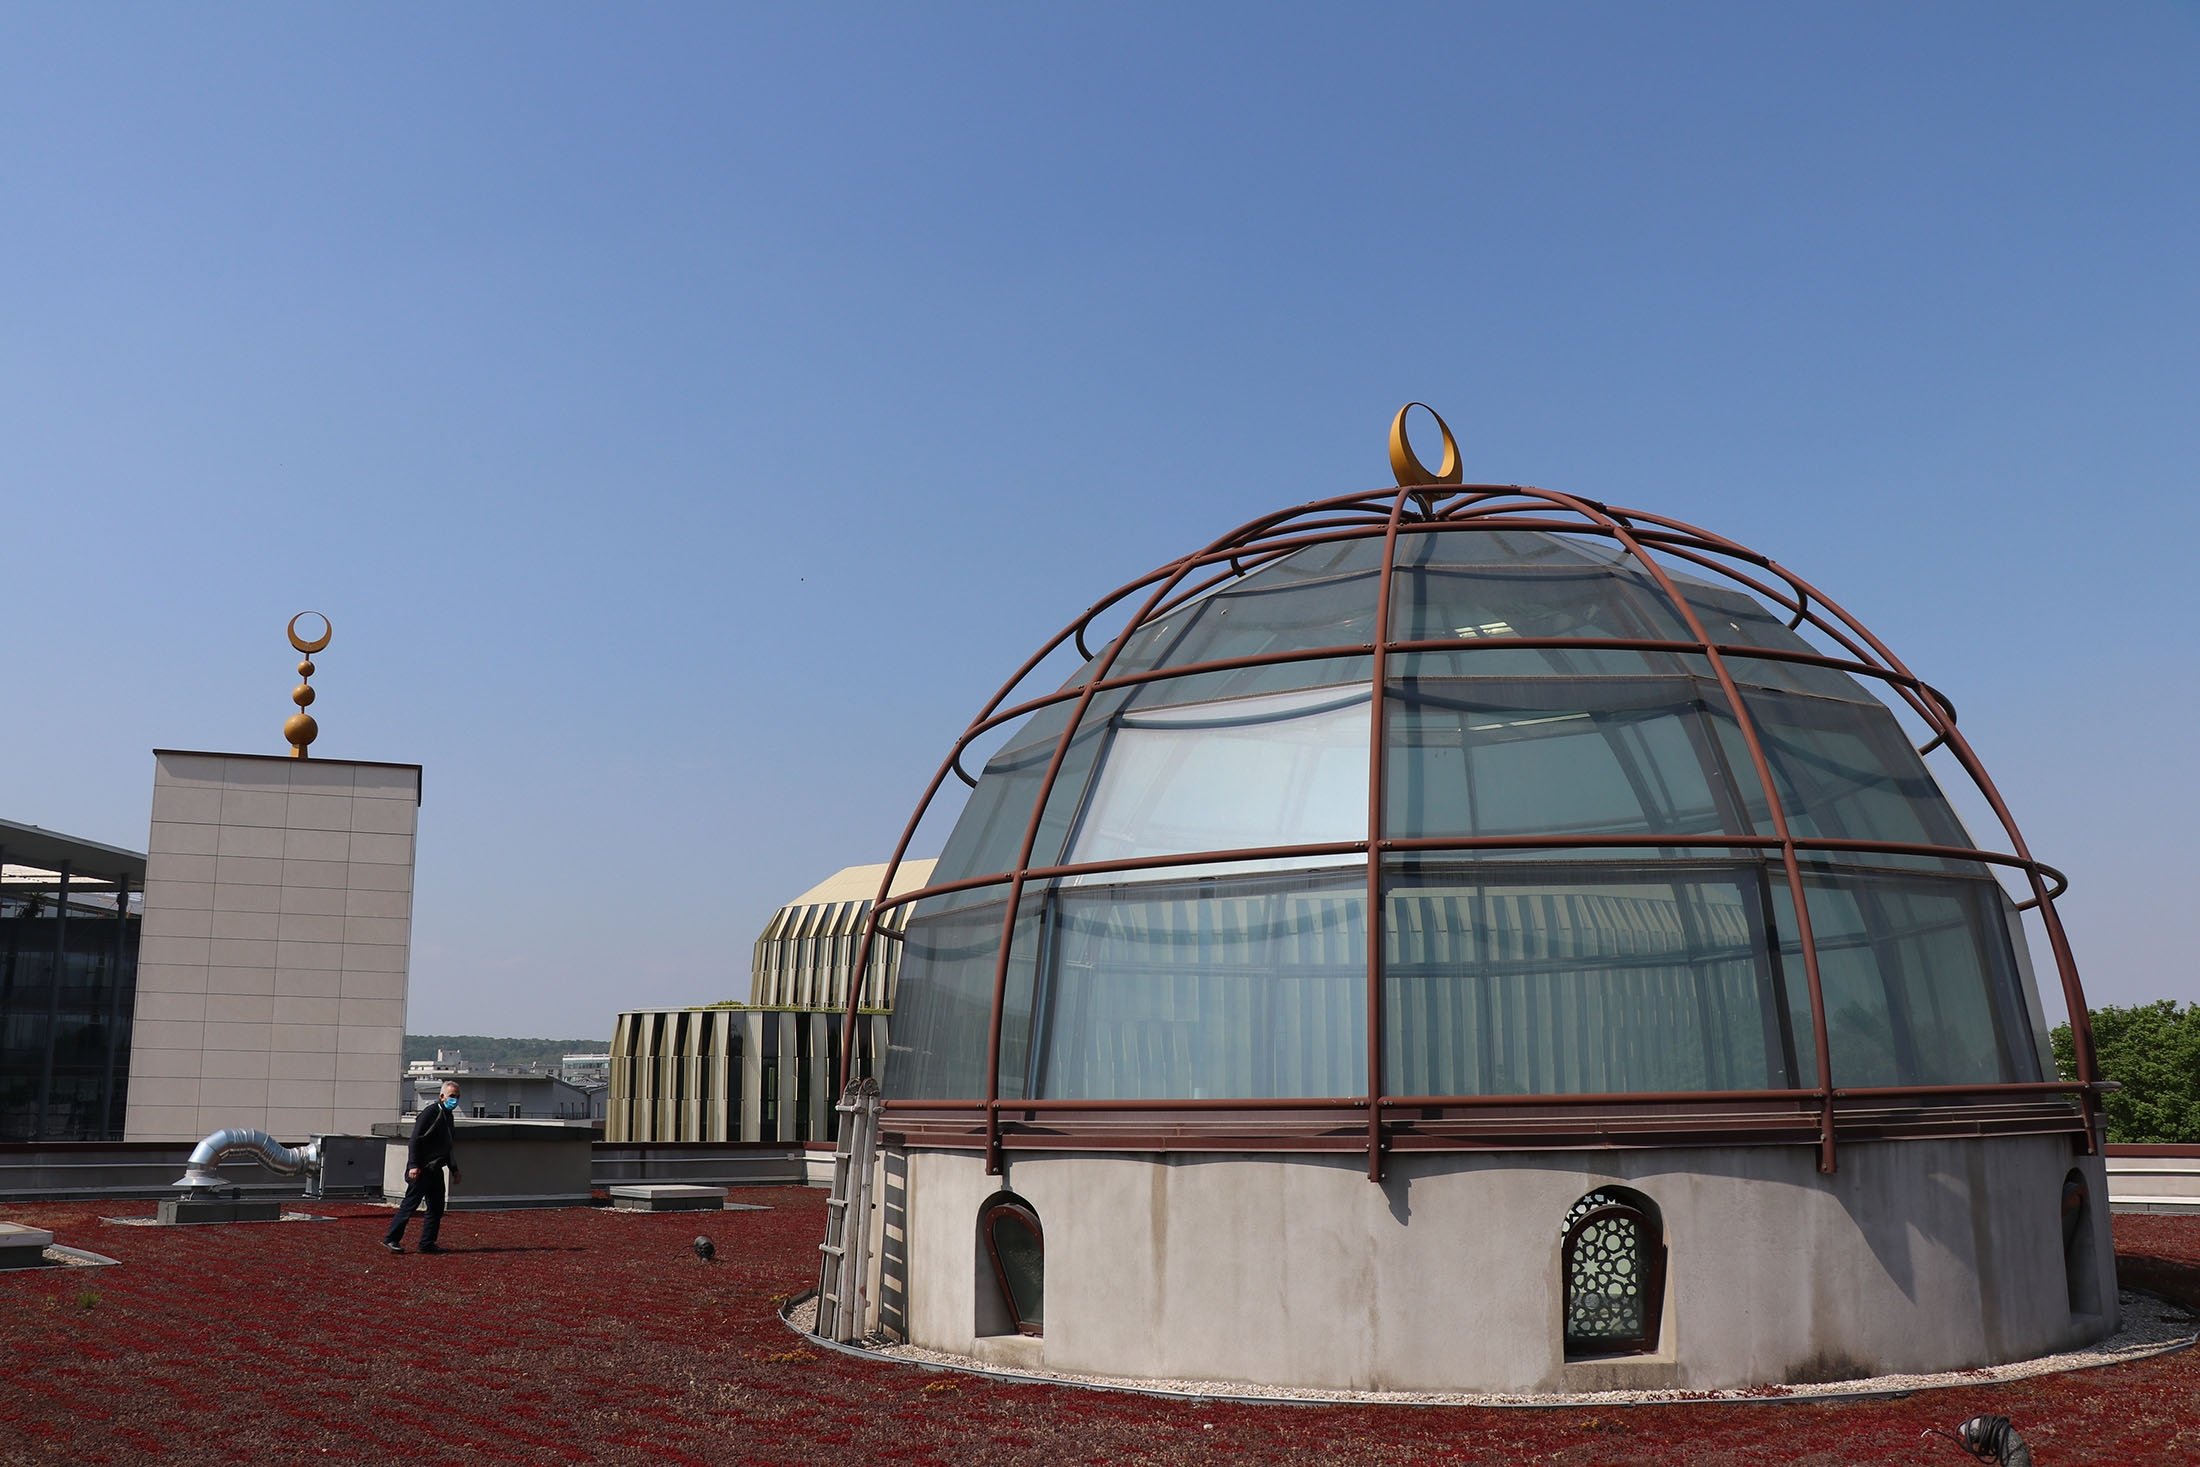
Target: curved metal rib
<point>1645,538</point>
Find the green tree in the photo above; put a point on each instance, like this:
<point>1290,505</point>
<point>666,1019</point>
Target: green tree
<point>2153,1051</point>
<point>485,1049</point>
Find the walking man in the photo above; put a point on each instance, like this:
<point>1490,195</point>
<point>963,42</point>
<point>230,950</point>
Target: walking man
<point>426,1160</point>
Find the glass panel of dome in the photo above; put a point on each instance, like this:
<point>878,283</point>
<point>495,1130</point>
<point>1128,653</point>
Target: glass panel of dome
<point>1800,677</point>
<point>1488,756</point>
<point>1517,601</point>
<point>1322,596</point>
<point>1074,779</point>
<point>1845,771</point>
<point>1523,583</point>
<point>1287,769</point>
<point>1733,617</point>
<point>2028,985</point>
<point>1648,977</point>
<point>991,829</point>
<point>1254,987</point>
<point>1467,543</point>
<point>990,832</point>
<point>943,1011</point>
<point>1248,682</point>
<point>1919,981</point>
<point>1442,591</point>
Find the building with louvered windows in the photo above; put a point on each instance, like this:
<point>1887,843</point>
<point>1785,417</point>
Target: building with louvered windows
<point>1476,938</point>
<point>768,1069</point>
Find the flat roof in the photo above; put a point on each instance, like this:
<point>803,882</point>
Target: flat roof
<point>43,850</point>
<point>418,797</point>
<point>860,883</point>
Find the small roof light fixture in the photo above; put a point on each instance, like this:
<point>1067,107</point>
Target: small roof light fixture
<point>1500,846</point>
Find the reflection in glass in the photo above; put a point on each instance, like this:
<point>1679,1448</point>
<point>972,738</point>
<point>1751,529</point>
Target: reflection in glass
<point>1286,769</point>
<point>943,1012</point>
<point>1525,756</point>
<point>1846,771</point>
<point>1483,587</point>
<point>1222,989</point>
<point>1919,982</point>
<point>1604,980</point>
<point>1322,596</point>
<point>1731,617</point>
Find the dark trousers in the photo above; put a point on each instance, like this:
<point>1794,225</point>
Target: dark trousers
<point>428,1187</point>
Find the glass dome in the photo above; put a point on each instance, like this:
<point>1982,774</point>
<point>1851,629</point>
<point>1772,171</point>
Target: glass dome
<point>1635,844</point>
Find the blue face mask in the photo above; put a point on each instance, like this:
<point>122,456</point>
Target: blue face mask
<point>450,1102</point>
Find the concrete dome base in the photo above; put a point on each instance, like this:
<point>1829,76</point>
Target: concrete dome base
<point>1923,1255</point>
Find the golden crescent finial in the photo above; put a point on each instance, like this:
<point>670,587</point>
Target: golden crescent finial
<point>1407,466</point>
<point>300,728</point>
<point>309,648</point>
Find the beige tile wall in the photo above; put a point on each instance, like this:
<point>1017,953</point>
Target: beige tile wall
<point>272,962</point>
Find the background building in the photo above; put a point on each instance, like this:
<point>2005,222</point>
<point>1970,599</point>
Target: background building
<point>805,957</point>
<point>69,925</point>
<point>516,1095</point>
<point>586,1070</point>
<point>731,1073</point>
<point>767,1070</point>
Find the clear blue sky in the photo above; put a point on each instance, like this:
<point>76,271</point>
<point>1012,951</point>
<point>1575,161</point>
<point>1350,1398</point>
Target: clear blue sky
<point>687,414</point>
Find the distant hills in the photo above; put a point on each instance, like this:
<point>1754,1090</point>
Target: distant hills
<point>485,1050</point>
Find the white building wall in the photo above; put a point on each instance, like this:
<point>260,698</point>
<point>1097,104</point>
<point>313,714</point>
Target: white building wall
<point>277,939</point>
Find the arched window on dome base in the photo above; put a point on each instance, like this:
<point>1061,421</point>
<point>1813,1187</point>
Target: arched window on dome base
<point>2081,1269</point>
<point>1011,1266</point>
<point>1612,1272</point>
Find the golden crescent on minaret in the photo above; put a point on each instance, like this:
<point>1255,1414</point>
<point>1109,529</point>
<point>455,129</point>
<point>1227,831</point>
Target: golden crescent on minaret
<point>300,728</point>
<point>327,630</point>
<point>1407,466</point>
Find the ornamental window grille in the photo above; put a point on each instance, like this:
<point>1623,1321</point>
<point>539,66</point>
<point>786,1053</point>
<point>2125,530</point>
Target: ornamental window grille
<point>1613,1266</point>
<point>1016,1247</point>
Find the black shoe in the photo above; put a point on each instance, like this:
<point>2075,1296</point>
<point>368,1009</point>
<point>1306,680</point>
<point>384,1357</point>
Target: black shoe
<point>393,1247</point>
<point>433,1248</point>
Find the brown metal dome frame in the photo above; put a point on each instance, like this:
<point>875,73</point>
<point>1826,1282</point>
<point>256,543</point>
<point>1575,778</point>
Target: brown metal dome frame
<point>1375,1123</point>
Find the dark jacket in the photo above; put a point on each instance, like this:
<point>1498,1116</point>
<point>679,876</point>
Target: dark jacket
<point>432,1135</point>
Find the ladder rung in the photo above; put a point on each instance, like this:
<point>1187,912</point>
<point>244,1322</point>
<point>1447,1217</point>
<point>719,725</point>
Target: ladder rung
<point>833,1248</point>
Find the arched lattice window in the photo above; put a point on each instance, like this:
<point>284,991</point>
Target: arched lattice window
<point>1613,1266</point>
<point>1013,1241</point>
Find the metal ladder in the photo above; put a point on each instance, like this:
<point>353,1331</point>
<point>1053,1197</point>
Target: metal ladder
<point>843,1278</point>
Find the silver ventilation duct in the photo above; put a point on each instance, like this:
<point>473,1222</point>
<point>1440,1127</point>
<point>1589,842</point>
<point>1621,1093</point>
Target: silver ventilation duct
<point>199,1174</point>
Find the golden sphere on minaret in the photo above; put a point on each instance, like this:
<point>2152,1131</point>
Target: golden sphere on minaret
<point>300,728</point>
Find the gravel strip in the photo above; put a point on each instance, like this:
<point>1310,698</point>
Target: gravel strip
<point>154,1222</point>
<point>2150,1326</point>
